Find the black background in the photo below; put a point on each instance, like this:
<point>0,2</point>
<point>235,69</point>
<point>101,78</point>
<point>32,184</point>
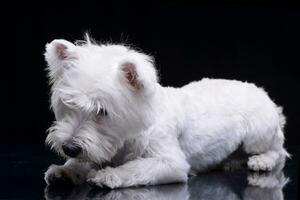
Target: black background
<point>255,43</point>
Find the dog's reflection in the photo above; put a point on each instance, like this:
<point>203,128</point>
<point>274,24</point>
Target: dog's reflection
<point>216,185</point>
<point>171,192</point>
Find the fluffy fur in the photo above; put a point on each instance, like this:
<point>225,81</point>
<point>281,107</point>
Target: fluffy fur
<point>107,99</point>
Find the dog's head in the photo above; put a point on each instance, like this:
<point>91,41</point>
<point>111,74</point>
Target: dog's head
<point>100,97</point>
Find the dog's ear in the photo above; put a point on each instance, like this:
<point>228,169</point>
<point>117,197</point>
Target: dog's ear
<point>130,73</point>
<point>139,74</point>
<point>58,53</point>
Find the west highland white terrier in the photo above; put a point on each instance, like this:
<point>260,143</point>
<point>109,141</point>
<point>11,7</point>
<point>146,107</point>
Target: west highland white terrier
<point>118,127</point>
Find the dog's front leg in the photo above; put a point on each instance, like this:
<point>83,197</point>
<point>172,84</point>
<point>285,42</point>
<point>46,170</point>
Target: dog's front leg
<point>144,171</point>
<point>163,162</point>
<point>72,172</point>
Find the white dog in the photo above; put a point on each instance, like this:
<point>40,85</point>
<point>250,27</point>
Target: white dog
<point>110,108</point>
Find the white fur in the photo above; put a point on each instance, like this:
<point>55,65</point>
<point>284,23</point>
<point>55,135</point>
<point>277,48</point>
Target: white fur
<point>154,134</point>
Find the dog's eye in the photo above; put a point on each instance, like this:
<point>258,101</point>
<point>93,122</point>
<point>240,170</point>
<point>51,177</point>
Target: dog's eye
<point>102,112</point>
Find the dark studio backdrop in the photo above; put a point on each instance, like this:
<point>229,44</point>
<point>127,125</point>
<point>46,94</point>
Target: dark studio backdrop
<point>255,43</point>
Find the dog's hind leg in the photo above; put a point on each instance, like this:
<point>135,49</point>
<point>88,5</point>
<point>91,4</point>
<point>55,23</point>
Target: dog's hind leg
<point>271,153</point>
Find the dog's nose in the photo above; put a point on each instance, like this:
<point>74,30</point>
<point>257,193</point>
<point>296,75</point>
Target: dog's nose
<point>71,149</point>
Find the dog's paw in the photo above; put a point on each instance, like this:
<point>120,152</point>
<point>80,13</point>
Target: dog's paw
<point>261,162</point>
<point>58,175</point>
<point>105,179</point>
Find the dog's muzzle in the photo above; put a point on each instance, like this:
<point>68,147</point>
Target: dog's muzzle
<point>71,149</point>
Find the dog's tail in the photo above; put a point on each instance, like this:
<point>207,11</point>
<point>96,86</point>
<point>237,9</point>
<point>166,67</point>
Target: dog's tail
<point>282,118</point>
<point>282,123</point>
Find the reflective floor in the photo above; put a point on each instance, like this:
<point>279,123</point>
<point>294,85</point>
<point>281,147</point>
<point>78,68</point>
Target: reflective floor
<point>22,169</point>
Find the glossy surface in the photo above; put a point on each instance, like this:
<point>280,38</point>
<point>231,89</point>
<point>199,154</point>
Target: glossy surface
<point>22,169</point>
